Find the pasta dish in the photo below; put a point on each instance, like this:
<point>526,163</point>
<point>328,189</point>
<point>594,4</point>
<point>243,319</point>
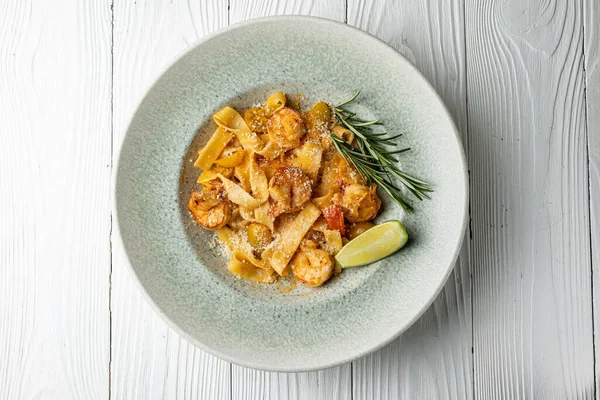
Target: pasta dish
<point>279,195</point>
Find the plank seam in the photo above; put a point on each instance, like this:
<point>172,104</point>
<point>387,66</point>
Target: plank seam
<point>468,151</point>
<point>112,150</point>
<point>346,13</point>
<point>587,146</point>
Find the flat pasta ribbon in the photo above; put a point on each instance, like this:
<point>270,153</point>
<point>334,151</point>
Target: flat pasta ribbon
<point>209,153</point>
<point>238,195</point>
<point>309,159</point>
<point>242,173</point>
<point>239,265</point>
<point>239,245</point>
<point>263,216</point>
<point>230,120</point>
<point>232,160</point>
<point>282,249</point>
<point>257,180</point>
<point>329,176</point>
<point>275,102</point>
<point>270,151</point>
<point>333,241</point>
<point>321,202</point>
<point>333,238</point>
<point>260,214</point>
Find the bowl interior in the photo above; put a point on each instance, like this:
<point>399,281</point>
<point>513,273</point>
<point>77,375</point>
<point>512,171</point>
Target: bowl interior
<point>184,274</point>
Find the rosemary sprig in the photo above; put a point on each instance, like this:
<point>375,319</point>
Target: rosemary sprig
<point>374,157</point>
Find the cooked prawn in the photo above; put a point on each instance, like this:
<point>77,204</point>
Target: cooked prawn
<point>290,189</point>
<point>285,128</point>
<point>360,202</point>
<point>270,166</point>
<point>312,266</point>
<point>209,209</point>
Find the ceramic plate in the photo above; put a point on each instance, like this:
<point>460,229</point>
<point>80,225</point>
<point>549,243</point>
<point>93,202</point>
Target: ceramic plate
<point>184,275</point>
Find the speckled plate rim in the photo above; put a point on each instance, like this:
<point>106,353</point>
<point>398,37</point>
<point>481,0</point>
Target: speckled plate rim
<point>463,165</point>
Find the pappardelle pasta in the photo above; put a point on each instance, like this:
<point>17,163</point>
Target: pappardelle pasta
<point>278,194</point>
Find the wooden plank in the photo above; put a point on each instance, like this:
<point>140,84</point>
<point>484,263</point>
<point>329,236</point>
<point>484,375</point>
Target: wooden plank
<point>150,360</point>
<point>433,358</point>
<point>241,10</point>
<point>592,85</point>
<point>327,384</point>
<point>532,306</point>
<point>54,201</point>
<point>333,383</point>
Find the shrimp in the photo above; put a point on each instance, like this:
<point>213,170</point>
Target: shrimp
<point>270,166</point>
<point>360,202</point>
<point>290,189</point>
<point>209,209</point>
<point>312,266</point>
<point>285,128</point>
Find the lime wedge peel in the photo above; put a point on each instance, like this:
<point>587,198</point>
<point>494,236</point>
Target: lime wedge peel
<point>372,245</point>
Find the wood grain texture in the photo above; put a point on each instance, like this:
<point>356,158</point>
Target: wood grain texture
<point>54,202</point>
<point>532,71</point>
<point>432,360</point>
<point>532,309</point>
<point>150,360</point>
<point>241,10</point>
<point>591,51</point>
<point>327,384</point>
<point>333,383</point>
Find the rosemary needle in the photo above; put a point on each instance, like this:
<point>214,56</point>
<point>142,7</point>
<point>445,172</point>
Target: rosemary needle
<point>373,157</point>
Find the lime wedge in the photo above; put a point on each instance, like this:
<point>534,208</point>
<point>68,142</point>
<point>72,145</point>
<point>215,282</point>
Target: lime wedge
<point>372,245</point>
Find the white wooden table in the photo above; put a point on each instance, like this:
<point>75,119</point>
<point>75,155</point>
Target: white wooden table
<point>515,320</point>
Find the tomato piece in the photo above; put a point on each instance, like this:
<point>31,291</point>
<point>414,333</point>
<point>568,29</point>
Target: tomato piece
<point>334,218</point>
